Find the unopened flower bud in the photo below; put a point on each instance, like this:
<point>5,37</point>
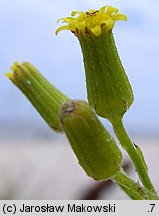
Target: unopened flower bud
<point>44,97</point>
<point>95,149</point>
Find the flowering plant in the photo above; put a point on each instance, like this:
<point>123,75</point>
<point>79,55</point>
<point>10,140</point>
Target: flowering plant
<point>109,95</point>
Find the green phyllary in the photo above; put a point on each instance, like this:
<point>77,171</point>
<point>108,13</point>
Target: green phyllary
<point>45,97</point>
<point>94,147</point>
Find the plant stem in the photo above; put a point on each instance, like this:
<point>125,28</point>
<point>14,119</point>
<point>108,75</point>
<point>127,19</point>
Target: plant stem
<point>134,190</point>
<point>137,160</point>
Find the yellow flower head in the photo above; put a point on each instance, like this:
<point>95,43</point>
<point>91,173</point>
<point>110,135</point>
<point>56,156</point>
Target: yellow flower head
<point>91,21</point>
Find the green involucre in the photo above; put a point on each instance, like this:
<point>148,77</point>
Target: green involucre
<point>44,97</point>
<point>95,149</point>
<point>108,87</point>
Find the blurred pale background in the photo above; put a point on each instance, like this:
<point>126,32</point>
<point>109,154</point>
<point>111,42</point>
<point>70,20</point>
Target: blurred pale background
<point>36,163</point>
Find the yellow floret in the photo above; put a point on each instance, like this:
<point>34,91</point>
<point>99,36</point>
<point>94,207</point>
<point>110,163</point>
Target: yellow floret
<point>91,21</point>
<point>14,67</point>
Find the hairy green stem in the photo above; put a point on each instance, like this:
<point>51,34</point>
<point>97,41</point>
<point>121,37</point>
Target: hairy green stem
<point>133,189</point>
<point>136,158</point>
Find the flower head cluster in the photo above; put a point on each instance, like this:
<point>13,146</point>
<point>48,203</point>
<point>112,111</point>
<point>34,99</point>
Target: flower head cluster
<point>91,21</point>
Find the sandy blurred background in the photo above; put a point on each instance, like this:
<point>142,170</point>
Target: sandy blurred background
<point>36,163</point>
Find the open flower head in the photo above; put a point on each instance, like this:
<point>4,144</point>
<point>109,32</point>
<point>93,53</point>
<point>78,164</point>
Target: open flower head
<point>91,21</point>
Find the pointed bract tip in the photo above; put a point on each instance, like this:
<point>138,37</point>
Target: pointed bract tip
<point>9,75</point>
